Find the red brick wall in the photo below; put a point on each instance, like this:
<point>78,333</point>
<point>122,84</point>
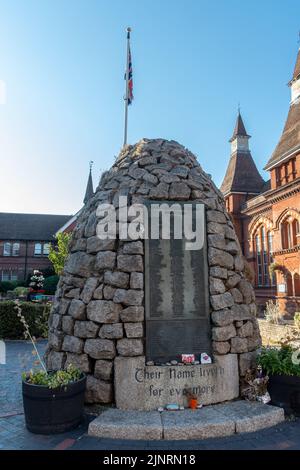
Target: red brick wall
<point>286,172</point>
<point>17,263</point>
<point>234,203</point>
<point>271,214</point>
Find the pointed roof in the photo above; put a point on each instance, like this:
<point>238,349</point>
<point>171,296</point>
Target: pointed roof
<point>241,176</point>
<point>297,67</point>
<point>290,138</point>
<point>89,188</point>
<point>289,141</point>
<point>239,128</point>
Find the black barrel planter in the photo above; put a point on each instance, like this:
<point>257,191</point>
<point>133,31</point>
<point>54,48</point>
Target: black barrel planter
<point>285,392</point>
<point>52,411</point>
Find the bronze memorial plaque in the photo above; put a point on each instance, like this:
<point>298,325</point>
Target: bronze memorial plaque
<point>176,287</point>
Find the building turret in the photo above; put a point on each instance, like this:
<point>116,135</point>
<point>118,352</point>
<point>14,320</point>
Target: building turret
<point>89,187</point>
<point>242,179</point>
<point>241,176</point>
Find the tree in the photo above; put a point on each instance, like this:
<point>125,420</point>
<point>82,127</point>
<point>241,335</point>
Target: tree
<point>59,252</point>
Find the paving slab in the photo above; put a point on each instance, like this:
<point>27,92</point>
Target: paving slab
<point>196,424</point>
<point>262,420</point>
<point>119,424</point>
<point>18,358</point>
<point>251,416</point>
<point>212,421</point>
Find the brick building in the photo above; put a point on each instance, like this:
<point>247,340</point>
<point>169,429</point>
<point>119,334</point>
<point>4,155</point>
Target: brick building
<point>267,214</point>
<point>25,239</point>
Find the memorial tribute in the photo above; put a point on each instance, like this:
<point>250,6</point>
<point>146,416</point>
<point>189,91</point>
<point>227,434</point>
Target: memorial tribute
<point>176,295</point>
<point>126,310</point>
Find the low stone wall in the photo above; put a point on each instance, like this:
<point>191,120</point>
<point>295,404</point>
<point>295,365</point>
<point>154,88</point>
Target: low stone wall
<point>272,334</point>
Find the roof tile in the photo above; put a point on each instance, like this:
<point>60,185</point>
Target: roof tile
<point>35,227</point>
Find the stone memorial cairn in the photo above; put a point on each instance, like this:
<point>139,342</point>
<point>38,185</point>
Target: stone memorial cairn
<point>98,312</point>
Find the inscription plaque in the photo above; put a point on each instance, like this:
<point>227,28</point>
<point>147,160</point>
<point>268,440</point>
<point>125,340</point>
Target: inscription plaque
<point>176,289</point>
<point>140,387</point>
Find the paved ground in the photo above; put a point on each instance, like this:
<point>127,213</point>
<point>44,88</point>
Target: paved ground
<point>19,357</point>
<point>13,434</point>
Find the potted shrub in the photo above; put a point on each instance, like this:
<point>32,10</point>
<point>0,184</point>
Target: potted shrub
<point>283,368</point>
<point>53,400</point>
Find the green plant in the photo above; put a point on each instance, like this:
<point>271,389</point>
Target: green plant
<point>272,312</point>
<point>278,361</point>
<point>37,280</point>
<point>8,285</point>
<point>51,379</point>
<point>297,320</point>
<point>50,284</point>
<point>36,316</point>
<point>59,252</point>
<point>59,378</point>
<point>10,294</point>
<point>21,291</point>
<point>275,267</point>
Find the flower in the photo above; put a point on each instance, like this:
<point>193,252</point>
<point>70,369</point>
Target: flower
<point>37,280</point>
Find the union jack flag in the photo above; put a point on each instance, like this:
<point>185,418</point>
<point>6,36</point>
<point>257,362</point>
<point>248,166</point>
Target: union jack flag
<point>130,81</point>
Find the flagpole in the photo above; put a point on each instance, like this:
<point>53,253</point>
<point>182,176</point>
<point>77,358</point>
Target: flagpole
<point>126,93</point>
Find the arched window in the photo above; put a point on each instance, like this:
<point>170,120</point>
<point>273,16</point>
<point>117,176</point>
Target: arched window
<point>297,284</point>
<point>264,257</point>
<point>295,231</point>
<point>289,284</point>
<point>258,260</point>
<point>271,259</point>
<point>285,228</point>
<point>289,232</point>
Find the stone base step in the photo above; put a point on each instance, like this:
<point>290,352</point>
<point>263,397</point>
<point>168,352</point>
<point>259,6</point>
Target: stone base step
<point>210,421</point>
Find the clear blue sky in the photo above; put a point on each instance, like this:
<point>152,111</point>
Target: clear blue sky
<point>193,61</point>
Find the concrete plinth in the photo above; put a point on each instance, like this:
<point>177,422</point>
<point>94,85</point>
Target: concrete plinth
<point>210,421</point>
